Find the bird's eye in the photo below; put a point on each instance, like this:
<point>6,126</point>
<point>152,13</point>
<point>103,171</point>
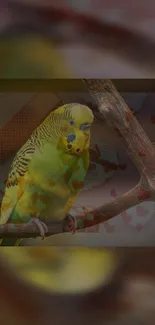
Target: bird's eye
<point>71,122</point>
<point>85,127</point>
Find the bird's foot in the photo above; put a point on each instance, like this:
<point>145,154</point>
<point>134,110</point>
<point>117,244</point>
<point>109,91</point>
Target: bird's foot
<point>41,225</point>
<point>71,223</point>
<point>86,210</point>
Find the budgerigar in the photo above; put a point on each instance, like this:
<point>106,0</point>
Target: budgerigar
<point>49,170</point>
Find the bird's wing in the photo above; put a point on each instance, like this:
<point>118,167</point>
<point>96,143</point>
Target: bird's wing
<point>16,180</point>
<point>76,179</point>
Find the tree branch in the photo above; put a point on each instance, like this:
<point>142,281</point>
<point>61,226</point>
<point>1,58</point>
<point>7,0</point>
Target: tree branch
<point>87,219</point>
<point>120,117</point>
<point>138,146</point>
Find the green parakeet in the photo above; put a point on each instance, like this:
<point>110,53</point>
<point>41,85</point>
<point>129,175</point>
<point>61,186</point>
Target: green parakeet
<point>49,170</point>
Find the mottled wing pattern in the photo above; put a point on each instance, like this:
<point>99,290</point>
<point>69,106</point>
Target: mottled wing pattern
<point>77,182</point>
<point>16,180</point>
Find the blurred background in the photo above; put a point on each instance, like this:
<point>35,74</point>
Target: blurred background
<point>42,39</point>
<point>74,39</point>
<point>77,39</point>
<point>41,286</point>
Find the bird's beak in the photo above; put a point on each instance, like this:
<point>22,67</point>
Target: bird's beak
<point>81,143</point>
<point>76,147</point>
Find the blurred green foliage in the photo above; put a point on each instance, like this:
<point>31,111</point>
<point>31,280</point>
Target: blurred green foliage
<point>31,56</point>
<point>62,269</point>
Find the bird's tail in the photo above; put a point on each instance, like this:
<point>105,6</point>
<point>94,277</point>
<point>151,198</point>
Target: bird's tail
<point>10,242</point>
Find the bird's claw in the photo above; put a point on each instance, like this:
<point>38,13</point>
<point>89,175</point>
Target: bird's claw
<point>41,225</point>
<point>71,223</point>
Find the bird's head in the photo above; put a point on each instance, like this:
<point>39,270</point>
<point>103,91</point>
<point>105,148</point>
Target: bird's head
<point>76,124</point>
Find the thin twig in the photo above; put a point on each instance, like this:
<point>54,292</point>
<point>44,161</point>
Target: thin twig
<point>84,220</point>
